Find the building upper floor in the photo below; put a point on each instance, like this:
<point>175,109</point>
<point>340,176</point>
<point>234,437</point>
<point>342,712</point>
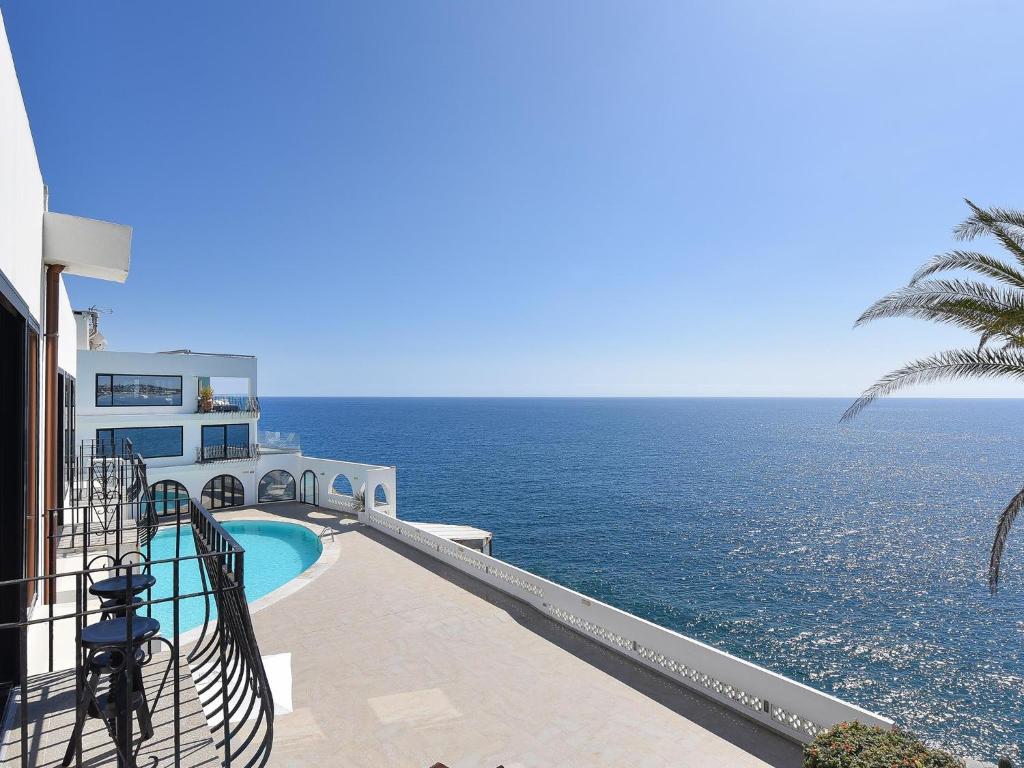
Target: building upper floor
<point>120,385</point>
<point>176,408</point>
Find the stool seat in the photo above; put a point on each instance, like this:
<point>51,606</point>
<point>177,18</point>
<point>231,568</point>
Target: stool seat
<point>115,632</point>
<point>117,585</point>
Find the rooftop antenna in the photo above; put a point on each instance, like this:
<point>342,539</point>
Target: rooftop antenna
<point>97,341</point>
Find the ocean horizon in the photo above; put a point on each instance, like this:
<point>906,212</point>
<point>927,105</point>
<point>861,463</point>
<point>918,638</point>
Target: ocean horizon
<point>851,557</point>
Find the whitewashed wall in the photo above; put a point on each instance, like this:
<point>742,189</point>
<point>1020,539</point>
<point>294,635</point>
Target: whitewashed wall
<point>189,367</point>
<point>195,476</point>
<point>21,190</point>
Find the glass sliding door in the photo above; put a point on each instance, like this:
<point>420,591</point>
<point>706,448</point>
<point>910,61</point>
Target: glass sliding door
<point>225,441</point>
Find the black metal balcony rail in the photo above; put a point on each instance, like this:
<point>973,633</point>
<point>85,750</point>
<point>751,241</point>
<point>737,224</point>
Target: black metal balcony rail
<point>105,472</point>
<point>224,663</point>
<point>221,404</point>
<point>208,453</point>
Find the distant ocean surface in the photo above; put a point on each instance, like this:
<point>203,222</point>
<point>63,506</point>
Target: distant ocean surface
<point>849,557</point>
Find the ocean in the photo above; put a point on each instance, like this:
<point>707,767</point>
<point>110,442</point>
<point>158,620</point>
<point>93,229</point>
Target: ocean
<point>850,557</point>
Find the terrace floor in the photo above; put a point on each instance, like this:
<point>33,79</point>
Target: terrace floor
<point>398,660</point>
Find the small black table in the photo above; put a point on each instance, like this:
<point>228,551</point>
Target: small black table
<point>117,586</point>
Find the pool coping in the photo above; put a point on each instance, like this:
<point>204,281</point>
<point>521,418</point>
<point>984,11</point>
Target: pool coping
<point>329,554</point>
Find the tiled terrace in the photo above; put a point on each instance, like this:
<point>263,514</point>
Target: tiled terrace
<point>398,660</point>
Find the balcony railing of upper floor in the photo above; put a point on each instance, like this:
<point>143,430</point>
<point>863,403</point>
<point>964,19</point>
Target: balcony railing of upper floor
<point>221,404</point>
<point>208,453</point>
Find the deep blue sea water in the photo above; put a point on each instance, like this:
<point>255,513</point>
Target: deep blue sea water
<point>850,557</point>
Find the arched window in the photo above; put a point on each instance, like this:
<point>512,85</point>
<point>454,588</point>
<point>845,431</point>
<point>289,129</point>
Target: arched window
<point>341,486</point>
<point>308,488</point>
<point>169,497</point>
<point>380,496</point>
<point>223,491</point>
<point>277,485</point>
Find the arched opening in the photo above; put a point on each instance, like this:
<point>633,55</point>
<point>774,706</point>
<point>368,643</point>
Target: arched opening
<point>277,485</point>
<point>380,496</point>
<point>169,497</point>
<point>341,486</point>
<point>223,491</point>
<point>308,488</point>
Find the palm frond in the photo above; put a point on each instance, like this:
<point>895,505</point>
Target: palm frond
<point>973,262</point>
<point>998,222</point>
<point>972,305</point>
<point>982,218</point>
<point>1006,520</point>
<point>952,364</point>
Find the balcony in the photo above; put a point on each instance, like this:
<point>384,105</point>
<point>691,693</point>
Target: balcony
<point>211,453</point>
<point>221,404</point>
<point>193,690</point>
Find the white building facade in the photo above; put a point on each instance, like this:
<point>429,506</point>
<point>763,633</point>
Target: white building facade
<point>194,418</point>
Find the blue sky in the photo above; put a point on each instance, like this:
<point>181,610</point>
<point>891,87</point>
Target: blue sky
<point>530,198</point>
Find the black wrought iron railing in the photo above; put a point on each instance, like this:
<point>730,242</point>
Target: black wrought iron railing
<point>226,452</point>
<point>208,672</point>
<point>229,404</point>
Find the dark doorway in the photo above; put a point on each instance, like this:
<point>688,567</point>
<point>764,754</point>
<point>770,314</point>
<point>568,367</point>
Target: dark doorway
<point>15,470</point>
<point>308,488</point>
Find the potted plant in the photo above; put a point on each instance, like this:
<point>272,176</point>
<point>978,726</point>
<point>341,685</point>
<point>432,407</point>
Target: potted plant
<point>205,399</point>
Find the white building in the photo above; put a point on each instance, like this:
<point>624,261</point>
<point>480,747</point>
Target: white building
<point>206,448</point>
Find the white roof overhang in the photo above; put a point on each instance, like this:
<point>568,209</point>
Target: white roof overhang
<point>87,247</point>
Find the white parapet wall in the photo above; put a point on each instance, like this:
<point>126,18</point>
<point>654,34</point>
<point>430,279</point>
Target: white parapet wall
<point>788,707</point>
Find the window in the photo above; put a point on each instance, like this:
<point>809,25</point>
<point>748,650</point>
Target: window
<point>123,389</point>
<point>169,496</point>
<point>225,441</point>
<point>277,485</point>
<point>308,489</point>
<point>149,442</point>
<point>223,491</point>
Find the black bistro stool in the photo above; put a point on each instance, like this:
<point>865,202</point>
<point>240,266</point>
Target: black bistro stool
<point>114,589</point>
<point>107,645</point>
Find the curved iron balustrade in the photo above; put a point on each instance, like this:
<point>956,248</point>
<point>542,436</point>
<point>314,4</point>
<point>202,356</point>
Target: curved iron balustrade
<point>226,664</point>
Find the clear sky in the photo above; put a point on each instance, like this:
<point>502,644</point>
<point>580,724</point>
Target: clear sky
<point>526,198</point>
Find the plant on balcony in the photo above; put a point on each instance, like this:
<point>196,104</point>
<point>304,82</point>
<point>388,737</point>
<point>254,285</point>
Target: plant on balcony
<point>854,745</point>
<point>992,309</point>
<point>359,501</point>
<point>205,399</point>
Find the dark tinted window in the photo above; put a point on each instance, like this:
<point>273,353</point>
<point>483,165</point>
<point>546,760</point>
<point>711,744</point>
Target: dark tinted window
<point>277,485</point>
<point>169,496</point>
<point>223,491</point>
<point>120,389</point>
<point>150,442</point>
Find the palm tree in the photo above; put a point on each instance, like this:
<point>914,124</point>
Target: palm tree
<point>993,309</point>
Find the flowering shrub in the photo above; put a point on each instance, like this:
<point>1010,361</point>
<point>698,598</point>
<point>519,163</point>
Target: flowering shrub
<point>853,745</point>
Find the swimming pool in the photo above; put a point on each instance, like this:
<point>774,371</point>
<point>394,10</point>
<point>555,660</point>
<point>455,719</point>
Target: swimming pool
<point>275,553</point>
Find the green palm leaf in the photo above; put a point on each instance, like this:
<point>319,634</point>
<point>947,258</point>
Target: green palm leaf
<point>1002,533</point>
<point>973,262</point>
<point>995,313</point>
<point>952,364</point>
<point>1003,224</point>
<point>972,305</point>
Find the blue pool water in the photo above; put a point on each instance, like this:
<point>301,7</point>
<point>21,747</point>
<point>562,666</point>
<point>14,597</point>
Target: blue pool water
<point>275,553</point>
<point>850,557</point>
